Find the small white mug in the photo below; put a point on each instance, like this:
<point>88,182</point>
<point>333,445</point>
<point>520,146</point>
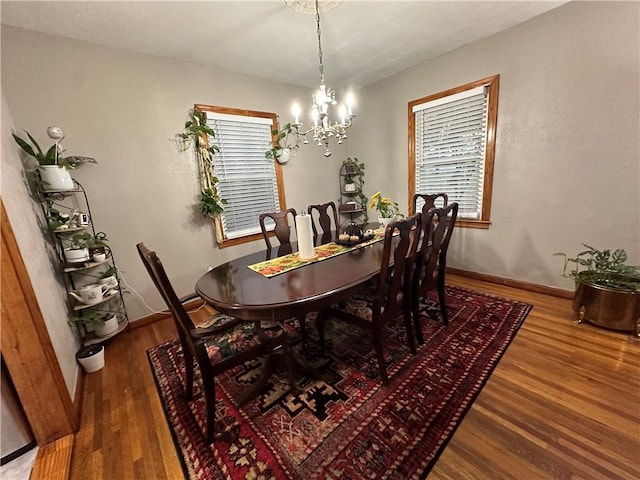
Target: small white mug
<point>99,257</point>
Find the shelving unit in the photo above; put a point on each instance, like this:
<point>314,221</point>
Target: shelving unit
<point>352,205</point>
<point>82,271</point>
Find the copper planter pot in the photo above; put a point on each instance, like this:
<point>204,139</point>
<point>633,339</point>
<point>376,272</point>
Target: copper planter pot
<point>607,307</point>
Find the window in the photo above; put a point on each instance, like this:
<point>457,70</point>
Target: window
<point>251,183</point>
<point>452,146</point>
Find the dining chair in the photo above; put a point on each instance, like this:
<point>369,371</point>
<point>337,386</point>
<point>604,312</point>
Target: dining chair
<point>222,344</point>
<point>383,301</point>
<point>431,260</point>
<point>324,213</point>
<point>283,220</point>
<point>429,201</point>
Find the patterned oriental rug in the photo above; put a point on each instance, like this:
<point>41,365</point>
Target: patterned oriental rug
<point>351,426</point>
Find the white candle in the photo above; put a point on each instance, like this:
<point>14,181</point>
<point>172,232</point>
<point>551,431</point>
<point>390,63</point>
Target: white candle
<point>305,236</point>
<point>349,103</point>
<point>296,113</point>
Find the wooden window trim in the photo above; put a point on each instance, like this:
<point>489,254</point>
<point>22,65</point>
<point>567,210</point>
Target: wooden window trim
<point>223,241</point>
<point>492,82</point>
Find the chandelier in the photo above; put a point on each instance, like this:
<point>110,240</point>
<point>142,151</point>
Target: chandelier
<point>323,127</point>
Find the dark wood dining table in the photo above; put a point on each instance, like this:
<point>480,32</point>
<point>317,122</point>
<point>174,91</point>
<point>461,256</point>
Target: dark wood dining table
<point>234,289</point>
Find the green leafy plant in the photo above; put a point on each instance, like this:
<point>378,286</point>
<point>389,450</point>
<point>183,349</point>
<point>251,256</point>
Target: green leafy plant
<point>85,240</point>
<point>112,270</point>
<point>90,318</point>
<point>353,166</point>
<point>386,207</point>
<point>211,203</point>
<point>196,134</point>
<point>53,156</point>
<point>602,267</point>
<point>281,141</point>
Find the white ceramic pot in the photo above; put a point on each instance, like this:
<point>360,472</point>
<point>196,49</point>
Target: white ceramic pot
<point>110,326</point>
<point>56,178</point>
<point>76,255</point>
<point>111,281</point>
<point>283,155</point>
<point>385,221</point>
<point>91,358</point>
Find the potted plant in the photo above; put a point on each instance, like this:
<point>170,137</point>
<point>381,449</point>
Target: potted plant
<point>103,324</point>
<point>80,246</point>
<point>109,277</point>
<point>53,168</point>
<point>352,172</point>
<point>607,289</point>
<point>91,357</point>
<point>387,209</point>
<point>196,132</point>
<point>283,148</point>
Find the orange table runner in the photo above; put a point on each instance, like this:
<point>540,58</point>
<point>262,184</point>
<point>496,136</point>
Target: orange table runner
<point>276,266</point>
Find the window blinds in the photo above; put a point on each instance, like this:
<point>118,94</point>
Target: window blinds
<point>450,148</point>
<point>247,179</point>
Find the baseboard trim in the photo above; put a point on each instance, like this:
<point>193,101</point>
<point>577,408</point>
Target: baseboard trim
<point>508,282</point>
<point>53,460</point>
<point>156,317</point>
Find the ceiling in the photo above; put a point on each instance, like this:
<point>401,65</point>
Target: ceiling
<point>362,41</point>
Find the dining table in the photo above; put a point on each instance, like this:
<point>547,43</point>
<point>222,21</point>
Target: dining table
<point>235,289</point>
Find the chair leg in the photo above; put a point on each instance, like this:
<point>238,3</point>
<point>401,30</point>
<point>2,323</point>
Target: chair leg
<point>442,300</point>
<point>302,320</point>
<point>320,319</point>
<point>188,365</point>
<point>210,402</point>
<point>406,315</point>
<point>415,301</point>
<point>377,342</point>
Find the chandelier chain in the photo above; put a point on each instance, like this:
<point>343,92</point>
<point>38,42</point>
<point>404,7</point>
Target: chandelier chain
<point>323,127</point>
<point>319,42</point>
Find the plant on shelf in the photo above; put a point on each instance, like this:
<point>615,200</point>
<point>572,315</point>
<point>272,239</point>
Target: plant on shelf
<point>56,219</point>
<point>352,166</point>
<point>109,272</point>
<point>282,146</point>
<point>353,175</point>
<point>196,133</point>
<point>90,319</point>
<point>607,288</point>
<point>79,247</point>
<point>386,207</point>
<point>54,156</point>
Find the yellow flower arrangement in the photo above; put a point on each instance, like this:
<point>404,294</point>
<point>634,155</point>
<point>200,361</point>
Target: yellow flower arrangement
<point>386,207</point>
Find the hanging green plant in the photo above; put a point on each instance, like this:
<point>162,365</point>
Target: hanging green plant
<point>282,143</point>
<point>211,203</point>
<point>196,133</point>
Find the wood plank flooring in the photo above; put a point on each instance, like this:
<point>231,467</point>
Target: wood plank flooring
<point>563,403</point>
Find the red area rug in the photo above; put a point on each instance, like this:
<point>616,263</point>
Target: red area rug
<point>352,426</point>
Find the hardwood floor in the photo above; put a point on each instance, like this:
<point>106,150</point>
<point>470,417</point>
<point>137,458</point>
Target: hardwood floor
<point>564,402</point>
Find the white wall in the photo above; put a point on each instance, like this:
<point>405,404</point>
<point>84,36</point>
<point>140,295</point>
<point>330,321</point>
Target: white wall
<point>124,109</point>
<point>567,166</point>
<point>39,258</point>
